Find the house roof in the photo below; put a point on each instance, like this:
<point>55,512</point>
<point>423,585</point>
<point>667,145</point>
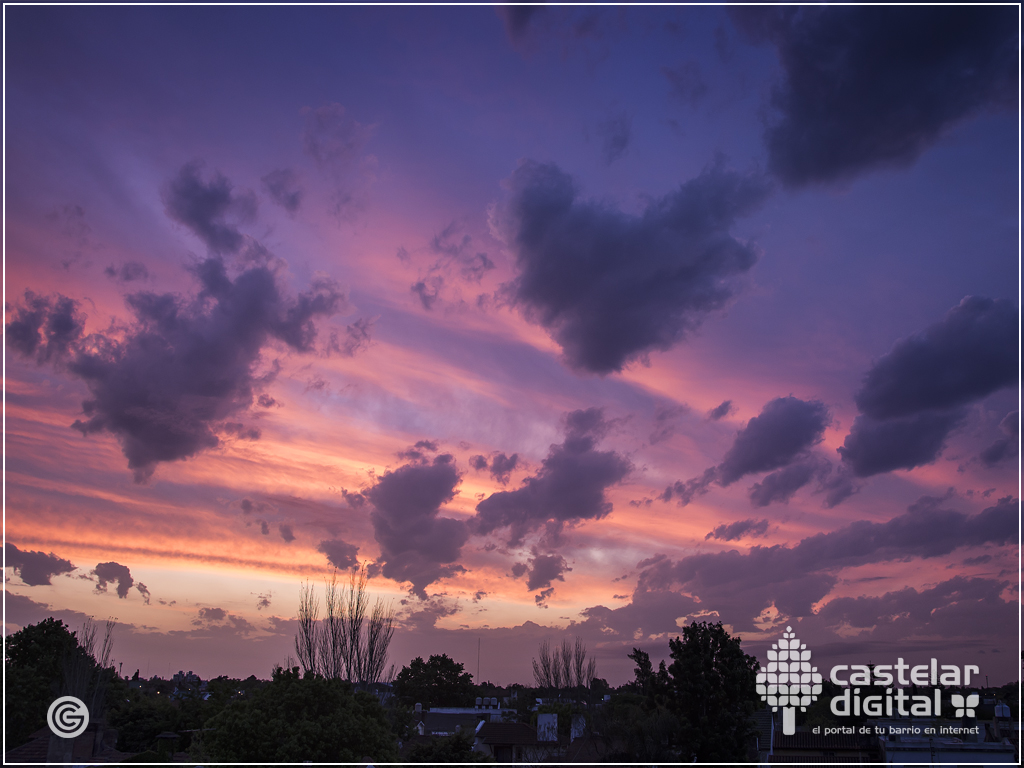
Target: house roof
<point>448,722</point>
<point>507,733</point>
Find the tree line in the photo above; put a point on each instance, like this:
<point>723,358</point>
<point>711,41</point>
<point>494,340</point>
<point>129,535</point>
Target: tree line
<point>342,702</point>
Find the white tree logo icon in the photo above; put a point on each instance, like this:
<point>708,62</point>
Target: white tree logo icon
<point>790,681</point>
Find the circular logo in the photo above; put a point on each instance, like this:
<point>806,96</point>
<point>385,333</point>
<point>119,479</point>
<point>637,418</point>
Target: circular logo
<point>68,717</point>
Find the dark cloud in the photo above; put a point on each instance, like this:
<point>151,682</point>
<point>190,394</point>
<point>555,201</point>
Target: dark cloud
<point>611,286</point>
<point>263,601</point>
<point>940,610</point>
<point>979,560</point>
<point>686,492</point>
<point>569,487</point>
<point>419,450</point>
<point>501,466</point>
<point>783,432</point>
<point>615,134</point>
<point>144,591</point>
<point>740,586</point>
<point>686,82</point>
<point>739,529</point>
<point>873,446</point>
<point>35,568</point>
<point>1005,447</point>
<point>455,249</point>
<point>185,366</point>
<point>266,401</point>
<point>108,573</point>
<point>416,545</point>
<point>264,527</point>
<point>212,614</point>
<point>650,612</point>
<point>517,19</point>
<point>284,189</point>
<point>866,88</point>
<point>339,553</point>
<point>721,410</point>
<point>544,569</point>
<point>785,428</point>
<point>128,272</point>
<point>428,293</point>
<point>782,484</point>
<point>248,506</point>
<point>210,209</point>
<point>838,486</point>
<point>286,532</point>
<point>967,355</point>
<point>357,337</point>
<point>45,328</point>
<point>914,396</point>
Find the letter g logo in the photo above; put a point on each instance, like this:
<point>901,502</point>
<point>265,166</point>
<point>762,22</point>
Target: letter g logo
<point>68,717</point>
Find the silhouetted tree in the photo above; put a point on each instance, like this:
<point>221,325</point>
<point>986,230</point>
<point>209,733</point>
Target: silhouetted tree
<point>47,660</point>
<point>437,682</point>
<point>714,693</point>
<point>297,719</point>
<point>345,644</point>
<point>565,667</point>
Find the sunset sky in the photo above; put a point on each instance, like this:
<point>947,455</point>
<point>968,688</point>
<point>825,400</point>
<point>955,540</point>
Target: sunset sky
<point>562,320</point>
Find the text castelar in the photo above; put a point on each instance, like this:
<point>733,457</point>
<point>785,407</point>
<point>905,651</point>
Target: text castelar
<point>882,675</point>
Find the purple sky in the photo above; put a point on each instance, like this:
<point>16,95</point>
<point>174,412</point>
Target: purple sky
<point>565,321</point>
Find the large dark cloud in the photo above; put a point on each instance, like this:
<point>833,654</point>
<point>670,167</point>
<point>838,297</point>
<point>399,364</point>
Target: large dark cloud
<point>168,382</point>
<point>872,87</point>
<point>109,573</point>
<point>35,568</point>
<point>416,545</point>
<point>785,430</point>
<point>568,488</point>
<point>968,354</point>
<point>874,446</point>
<point>915,395</point>
<point>741,586</point>
<point>210,209</point>
<point>611,286</point>
<point>779,486</point>
<point>184,367</point>
<point>936,610</point>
